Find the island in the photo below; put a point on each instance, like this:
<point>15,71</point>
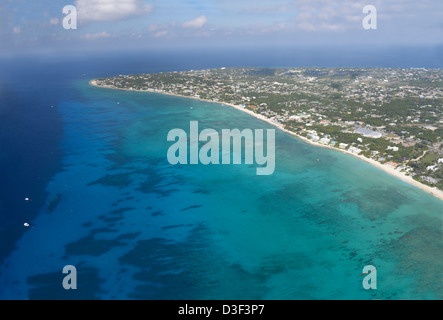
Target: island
<point>391,118</point>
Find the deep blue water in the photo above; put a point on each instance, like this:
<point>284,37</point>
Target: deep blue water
<point>136,227</point>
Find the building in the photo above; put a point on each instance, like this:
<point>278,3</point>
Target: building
<point>368,133</point>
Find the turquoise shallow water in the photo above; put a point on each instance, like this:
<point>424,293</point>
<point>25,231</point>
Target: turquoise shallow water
<point>137,227</point>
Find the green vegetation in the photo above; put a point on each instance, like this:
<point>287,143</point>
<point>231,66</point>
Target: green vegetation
<point>389,115</point>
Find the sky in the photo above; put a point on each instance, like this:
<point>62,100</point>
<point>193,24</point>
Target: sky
<point>33,26</point>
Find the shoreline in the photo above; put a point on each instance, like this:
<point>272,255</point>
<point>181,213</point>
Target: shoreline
<point>388,169</point>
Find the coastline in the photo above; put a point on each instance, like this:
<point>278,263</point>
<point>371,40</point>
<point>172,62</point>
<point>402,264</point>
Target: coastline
<point>388,169</point>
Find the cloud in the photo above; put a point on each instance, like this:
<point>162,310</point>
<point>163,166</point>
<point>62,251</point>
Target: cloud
<point>161,34</point>
<point>110,10</point>
<point>94,36</point>
<point>264,10</point>
<point>16,30</point>
<point>196,23</point>
<point>166,26</point>
<point>153,27</point>
<point>53,21</point>
<point>322,15</point>
<point>161,31</point>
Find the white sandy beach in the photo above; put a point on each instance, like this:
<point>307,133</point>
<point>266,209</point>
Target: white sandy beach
<point>434,191</point>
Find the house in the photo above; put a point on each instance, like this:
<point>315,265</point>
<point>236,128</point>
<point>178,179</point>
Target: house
<point>430,180</point>
<point>354,150</point>
<point>392,164</point>
<point>325,141</point>
<point>368,133</point>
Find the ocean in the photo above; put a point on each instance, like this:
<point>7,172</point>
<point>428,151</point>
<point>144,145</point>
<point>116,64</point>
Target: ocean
<point>86,167</point>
